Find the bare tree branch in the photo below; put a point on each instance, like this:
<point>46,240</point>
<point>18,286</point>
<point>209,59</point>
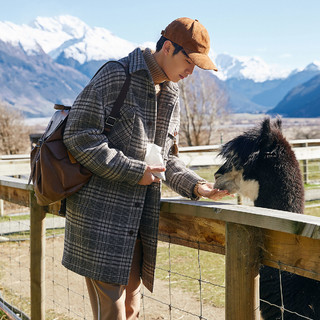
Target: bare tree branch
<point>14,136</point>
<point>203,108</point>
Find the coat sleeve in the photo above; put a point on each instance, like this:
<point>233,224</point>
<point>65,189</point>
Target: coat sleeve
<point>181,179</point>
<point>85,139</point>
<point>178,177</point>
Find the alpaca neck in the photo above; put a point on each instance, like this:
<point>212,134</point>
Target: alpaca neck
<point>281,198</point>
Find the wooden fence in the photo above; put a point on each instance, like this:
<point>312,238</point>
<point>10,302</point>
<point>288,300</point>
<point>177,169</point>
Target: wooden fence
<point>248,236</point>
<point>200,156</point>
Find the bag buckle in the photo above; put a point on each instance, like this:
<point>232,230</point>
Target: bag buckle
<point>39,143</point>
<point>110,122</point>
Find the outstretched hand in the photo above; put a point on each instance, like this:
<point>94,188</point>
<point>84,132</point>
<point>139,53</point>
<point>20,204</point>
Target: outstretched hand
<point>207,190</point>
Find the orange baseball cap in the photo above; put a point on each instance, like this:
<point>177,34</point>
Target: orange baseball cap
<point>194,38</point>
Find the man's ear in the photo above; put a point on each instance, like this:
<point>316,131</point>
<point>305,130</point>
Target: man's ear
<point>167,47</point>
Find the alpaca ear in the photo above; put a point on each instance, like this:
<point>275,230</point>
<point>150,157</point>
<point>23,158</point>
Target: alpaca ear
<point>265,132</point>
<point>278,123</point>
<point>265,127</point>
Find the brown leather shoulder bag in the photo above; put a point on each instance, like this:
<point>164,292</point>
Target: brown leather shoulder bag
<point>54,172</point>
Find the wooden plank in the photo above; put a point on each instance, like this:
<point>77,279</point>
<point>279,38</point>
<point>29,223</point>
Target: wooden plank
<point>18,191</point>
<point>37,259</point>
<point>312,194</point>
<point>14,167</point>
<point>15,195</point>
<point>200,233</point>
<point>15,183</point>
<point>293,253</point>
<point>198,159</point>
<point>277,248</point>
<point>304,225</point>
<point>217,147</point>
<point>307,153</point>
<point>242,272</point>
<point>15,157</point>
<point>305,142</point>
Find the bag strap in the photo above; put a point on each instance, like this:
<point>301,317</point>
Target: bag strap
<point>115,112</point>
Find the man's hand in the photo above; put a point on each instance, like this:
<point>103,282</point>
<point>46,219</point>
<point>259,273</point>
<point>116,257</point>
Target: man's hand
<point>207,190</point>
<point>148,176</point>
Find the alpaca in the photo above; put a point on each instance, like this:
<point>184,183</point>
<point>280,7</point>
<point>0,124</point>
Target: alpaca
<point>261,165</point>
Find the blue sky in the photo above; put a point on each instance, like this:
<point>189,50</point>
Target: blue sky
<point>281,32</point>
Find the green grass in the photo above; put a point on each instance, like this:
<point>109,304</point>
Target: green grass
<point>183,270</point>
<point>20,217</point>
<point>25,235</point>
<point>314,210</point>
<point>14,218</point>
<point>311,186</point>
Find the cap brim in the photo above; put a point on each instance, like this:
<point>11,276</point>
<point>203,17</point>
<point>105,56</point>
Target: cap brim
<point>202,61</point>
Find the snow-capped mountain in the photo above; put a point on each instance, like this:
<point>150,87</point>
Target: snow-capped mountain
<point>68,35</point>
<point>253,68</point>
<point>51,59</point>
<point>33,83</point>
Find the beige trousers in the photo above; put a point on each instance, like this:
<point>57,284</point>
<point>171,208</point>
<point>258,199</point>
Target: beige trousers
<point>117,302</point>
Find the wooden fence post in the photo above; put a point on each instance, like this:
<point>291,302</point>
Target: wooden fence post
<point>242,272</point>
<point>37,258</point>
<point>305,167</point>
<point>1,208</point>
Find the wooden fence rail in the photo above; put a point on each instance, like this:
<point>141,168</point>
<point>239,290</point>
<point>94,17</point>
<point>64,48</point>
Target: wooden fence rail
<point>248,236</point>
<point>305,150</point>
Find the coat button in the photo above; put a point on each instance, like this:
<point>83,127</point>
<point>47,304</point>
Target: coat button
<point>151,95</point>
<point>149,123</point>
<point>137,205</point>
<point>130,232</point>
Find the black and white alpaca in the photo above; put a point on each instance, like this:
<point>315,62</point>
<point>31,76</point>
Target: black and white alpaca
<point>261,165</point>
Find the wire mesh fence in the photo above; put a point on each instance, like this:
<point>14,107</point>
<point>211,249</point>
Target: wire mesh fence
<point>181,290</point>
<point>294,297</point>
<point>190,283</point>
<point>14,267</point>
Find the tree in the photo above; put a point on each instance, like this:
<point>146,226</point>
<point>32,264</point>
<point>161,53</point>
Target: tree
<point>203,108</point>
<point>307,133</point>
<point>13,133</point>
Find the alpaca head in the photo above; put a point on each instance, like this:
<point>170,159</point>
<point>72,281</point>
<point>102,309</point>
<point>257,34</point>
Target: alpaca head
<point>260,164</point>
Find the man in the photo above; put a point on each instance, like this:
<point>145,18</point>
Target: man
<point>112,222</point>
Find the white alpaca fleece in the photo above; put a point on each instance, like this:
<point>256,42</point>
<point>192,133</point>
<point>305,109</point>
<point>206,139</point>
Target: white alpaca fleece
<point>249,188</point>
<point>233,182</point>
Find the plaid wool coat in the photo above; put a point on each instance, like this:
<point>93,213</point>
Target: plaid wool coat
<point>104,217</point>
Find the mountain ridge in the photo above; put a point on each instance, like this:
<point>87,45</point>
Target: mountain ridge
<point>64,52</point>
<point>303,100</point>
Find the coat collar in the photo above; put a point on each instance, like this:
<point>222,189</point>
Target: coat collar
<point>138,64</point>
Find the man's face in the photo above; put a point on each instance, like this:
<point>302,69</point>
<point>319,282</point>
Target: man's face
<point>178,66</point>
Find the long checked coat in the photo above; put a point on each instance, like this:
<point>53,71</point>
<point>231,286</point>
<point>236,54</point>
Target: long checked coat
<point>104,217</point>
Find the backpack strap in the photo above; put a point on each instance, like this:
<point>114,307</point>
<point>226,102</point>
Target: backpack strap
<point>115,112</point>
